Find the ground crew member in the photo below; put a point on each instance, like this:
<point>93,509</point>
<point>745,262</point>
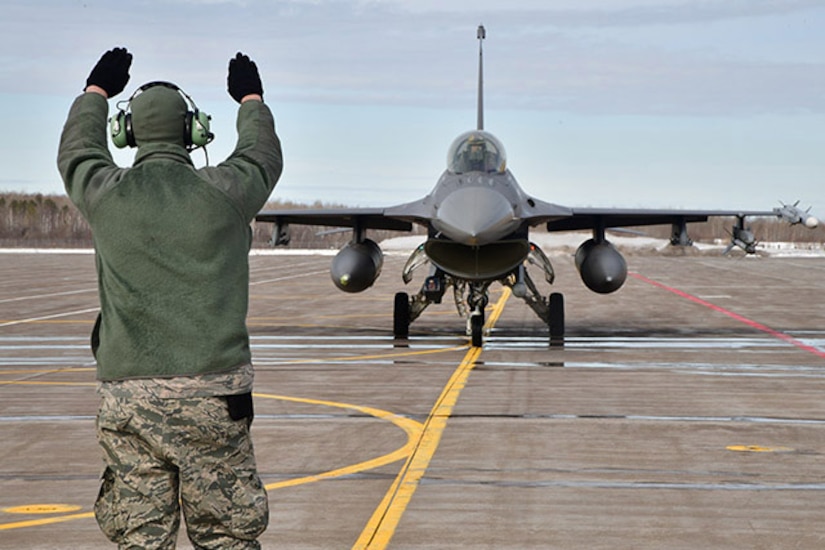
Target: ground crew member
<point>171,342</point>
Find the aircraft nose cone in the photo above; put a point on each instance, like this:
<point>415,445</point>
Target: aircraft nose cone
<point>475,216</point>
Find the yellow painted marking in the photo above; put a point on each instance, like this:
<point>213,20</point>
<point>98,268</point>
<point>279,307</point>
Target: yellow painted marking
<point>412,427</point>
<point>45,521</point>
<point>757,449</point>
<point>416,432</point>
<point>381,526</point>
<point>42,509</point>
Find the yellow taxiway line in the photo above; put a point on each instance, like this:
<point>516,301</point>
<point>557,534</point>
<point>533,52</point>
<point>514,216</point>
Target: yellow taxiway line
<point>410,426</point>
<point>381,526</point>
<point>422,441</point>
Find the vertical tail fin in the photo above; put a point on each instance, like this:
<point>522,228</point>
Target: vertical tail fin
<point>481,34</point>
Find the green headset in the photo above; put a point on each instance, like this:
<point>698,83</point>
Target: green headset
<point>196,128</point>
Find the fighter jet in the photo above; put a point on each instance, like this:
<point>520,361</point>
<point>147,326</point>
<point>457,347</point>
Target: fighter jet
<point>478,220</point>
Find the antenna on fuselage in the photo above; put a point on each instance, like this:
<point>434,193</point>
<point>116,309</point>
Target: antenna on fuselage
<point>481,34</point>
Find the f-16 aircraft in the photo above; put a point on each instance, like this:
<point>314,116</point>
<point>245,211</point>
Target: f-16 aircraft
<point>478,220</point>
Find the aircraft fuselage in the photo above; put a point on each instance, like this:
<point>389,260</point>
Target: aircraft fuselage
<point>476,208</point>
<point>475,225</point>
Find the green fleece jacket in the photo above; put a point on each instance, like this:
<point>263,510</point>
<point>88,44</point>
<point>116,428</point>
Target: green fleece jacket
<point>171,242</point>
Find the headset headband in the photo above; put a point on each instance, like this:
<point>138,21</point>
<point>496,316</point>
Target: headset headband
<point>165,84</point>
<point>196,131</point>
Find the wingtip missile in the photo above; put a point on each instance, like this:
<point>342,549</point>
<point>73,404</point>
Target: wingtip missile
<point>792,214</point>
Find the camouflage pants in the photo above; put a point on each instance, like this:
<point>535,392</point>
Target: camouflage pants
<point>164,454</point>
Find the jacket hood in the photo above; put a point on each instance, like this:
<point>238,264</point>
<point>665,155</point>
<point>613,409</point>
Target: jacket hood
<point>158,115</point>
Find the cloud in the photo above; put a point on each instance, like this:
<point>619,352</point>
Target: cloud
<point>601,56</point>
<point>599,13</point>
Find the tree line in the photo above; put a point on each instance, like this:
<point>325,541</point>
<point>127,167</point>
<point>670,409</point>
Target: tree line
<point>41,221</point>
<point>52,221</point>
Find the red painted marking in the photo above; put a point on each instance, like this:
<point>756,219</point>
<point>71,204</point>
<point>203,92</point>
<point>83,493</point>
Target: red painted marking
<point>753,324</point>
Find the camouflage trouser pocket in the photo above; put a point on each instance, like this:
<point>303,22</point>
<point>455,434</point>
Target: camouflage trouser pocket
<point>222,494</point>
<point>107,512</point>
<point>248,513</point>
<point>111,420</point>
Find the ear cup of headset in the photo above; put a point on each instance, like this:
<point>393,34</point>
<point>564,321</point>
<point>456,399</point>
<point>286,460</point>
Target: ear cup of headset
<point>120,127</point>
<point>196,131</point>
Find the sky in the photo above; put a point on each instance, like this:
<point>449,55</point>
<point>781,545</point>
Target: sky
<point>629,103</point>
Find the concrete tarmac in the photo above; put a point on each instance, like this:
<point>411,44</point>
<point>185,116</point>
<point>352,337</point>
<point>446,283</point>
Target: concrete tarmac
<point>685,411</point>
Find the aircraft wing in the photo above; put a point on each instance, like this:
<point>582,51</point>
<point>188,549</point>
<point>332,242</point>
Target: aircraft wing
<point>589,218</point>
<point>362,218</point>
<point>557,218</point>
<point>562,218</point>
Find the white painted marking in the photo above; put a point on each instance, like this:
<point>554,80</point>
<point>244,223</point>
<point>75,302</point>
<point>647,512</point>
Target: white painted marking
<point>288,277</point>
<point>45,317</point>
<point>52,295</point>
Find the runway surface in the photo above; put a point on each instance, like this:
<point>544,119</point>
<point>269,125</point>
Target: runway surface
<point>684,411</point>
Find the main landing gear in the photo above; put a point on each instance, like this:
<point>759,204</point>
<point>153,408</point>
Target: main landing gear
<point>555,318</point>
<point>401,315</point>
<point>472,296</point>
<point>406,309</point>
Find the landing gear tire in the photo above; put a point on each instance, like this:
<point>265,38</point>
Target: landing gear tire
<point>401,315</point>
<point>556,321</point>
<point>476,329</point>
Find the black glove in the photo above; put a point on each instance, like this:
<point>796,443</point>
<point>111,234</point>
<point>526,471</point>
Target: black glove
<point>112,71</point>
<point>243,78</point>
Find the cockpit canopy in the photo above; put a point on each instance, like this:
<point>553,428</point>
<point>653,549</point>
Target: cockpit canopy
<point>476,151</point>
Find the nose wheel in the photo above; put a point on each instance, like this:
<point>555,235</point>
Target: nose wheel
<point>475,322</point>
<point>476,328</point>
